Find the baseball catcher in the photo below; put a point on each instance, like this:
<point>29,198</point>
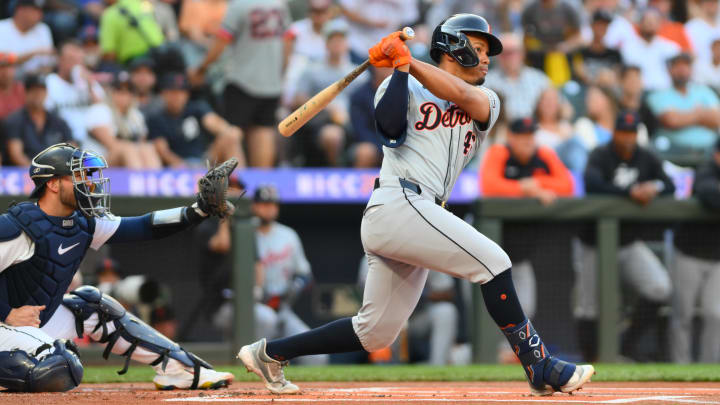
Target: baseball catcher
<point>41,246</point>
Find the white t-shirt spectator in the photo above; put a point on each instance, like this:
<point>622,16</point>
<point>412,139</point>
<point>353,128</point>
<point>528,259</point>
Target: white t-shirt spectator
<point>651,57</point>
<point>394,13</point>
<point>619,31</point>
<point>73,103</point>
<point>38,38</point>
<point>701,35</point>
<point>519,95</point>
<point>308,47</point>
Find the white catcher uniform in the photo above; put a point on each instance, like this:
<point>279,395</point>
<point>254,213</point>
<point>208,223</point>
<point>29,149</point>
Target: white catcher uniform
<point>405,231</point>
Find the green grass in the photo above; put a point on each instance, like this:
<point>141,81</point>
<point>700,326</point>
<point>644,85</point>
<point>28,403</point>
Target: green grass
<point>605,372</point>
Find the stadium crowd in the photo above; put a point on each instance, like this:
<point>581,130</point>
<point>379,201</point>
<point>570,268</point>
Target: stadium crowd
<point>618,92</point>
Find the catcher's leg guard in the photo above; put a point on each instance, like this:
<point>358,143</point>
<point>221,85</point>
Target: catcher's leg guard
<point>87,300</point>
<point>57,371</point>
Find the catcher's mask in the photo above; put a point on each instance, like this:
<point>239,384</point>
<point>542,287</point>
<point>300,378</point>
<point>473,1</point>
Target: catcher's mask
<point>85,168</point>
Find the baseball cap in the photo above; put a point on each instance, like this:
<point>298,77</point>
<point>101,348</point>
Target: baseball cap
<point>266,193</point>
<point>627,121</point>
<point>336,26</point>
<point>602,15</point>
<point>88,33</point>
<point>174,81</point>
<point>7,59</point>
<point>525,125</point>
<point>33,80</point>
<point>31,3</point>
<point>141,61</point>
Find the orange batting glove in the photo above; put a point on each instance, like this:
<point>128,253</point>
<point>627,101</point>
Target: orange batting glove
<point>377,58</point>
<point>396,49</point>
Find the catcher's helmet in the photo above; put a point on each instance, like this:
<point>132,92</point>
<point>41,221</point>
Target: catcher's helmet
<point>91,188</point>
<point>449,37</point>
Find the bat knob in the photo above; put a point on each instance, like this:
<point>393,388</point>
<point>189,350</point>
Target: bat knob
<point>407,34</point>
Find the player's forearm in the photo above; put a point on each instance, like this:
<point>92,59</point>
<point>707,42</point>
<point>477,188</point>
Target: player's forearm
<point>449,87</point>
<point>157,224</point>
<point>391,110</point>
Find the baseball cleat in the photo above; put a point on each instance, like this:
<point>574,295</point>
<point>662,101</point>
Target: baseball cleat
<point>268,369</point>
<point>182,379</point>
<point>580,376</point>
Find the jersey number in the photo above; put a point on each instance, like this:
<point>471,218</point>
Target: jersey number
<point>469,142</point>
<point>266,23</point>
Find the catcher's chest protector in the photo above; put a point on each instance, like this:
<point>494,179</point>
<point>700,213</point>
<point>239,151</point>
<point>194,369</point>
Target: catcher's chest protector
<point>60,245</point>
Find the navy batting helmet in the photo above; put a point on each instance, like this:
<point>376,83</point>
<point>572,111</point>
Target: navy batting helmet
<point>449,37</point>
<point>91,188</point>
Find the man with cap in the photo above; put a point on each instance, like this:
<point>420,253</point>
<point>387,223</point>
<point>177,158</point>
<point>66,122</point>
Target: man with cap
<point>143,81</point>
<point>625,169</point>
<point>187,132</point>
<point>284,272</point>
<point>28,37</point>
<point>325,134</point>
<point>697,274</point>
<point>32,129</point>
<point>688,114</point>
<point>12,94</point>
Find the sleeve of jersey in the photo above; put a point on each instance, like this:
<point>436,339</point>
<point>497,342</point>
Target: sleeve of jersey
<point>232,23</point>
<point>559,180</point>
<point>391,108</point>
<point>493,182</point>
<point>494,111</point>
<point>302,266</point>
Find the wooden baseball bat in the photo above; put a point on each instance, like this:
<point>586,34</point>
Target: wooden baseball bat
<point>305,112</point>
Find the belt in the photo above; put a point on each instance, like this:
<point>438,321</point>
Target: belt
<point>414,187</point>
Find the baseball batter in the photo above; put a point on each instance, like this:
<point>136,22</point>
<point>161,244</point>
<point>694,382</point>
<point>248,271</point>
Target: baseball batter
<point>431,120</point>
<point>41,247</point>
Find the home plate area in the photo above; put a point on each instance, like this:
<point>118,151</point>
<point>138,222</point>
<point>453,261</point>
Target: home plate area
<point>468,393</point>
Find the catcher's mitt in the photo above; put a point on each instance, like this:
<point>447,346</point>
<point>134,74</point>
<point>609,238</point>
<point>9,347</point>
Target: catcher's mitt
<point>212,189</point>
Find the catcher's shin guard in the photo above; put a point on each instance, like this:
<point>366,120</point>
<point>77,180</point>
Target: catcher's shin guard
<point>87,300</point>
<point>58,370</point>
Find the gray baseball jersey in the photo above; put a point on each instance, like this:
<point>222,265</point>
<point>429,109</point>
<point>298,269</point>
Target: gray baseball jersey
<point>253,61</point>
<point>281,254</point>
<point>405,233</point>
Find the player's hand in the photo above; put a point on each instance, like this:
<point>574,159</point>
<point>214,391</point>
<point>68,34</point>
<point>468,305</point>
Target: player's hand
<point>396,49</point>
<point>377,57</point>
<point>28,315</point>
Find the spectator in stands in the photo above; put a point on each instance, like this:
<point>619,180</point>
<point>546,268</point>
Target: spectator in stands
<point>631,88</point>
<point>671,30</point>
<point>649,51</point>
<point>28,37</point>
<point>521,168</point>
<point>552,29</point>
<point>75,94</point>
<point>285,272</point>
<point>129,125</point>
<point>519,85</point>
<point>143,81</point>
<point>305,44</point>
<point>32,129</point>
<point>621,168</point>
<point>12,93</point>
<point>128,29</point>
<point>164,13</point>
<point>703,29</point>
<point>697,272</point>
<point>93,54</point>
<point>620,28</point>
<point>199,24</point>
<point>555,131</point>
<point>187,132</point>
<point>596,63</point>
<point>325,135</point>
<point>370,21</point>
<point>253,88</point>
<point>366,150</point>
<point>596,128</point>
<point>688,113</point>
<point>708,72</point>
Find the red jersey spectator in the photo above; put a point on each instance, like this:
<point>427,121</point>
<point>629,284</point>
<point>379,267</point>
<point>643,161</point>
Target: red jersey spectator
<point>12,94</point>
<point>521,169</point>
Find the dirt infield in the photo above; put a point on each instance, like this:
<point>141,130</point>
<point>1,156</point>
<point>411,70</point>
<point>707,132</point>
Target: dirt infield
<point>381,393</point>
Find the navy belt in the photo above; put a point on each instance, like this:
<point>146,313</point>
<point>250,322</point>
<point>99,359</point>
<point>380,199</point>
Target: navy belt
<point>414,187</point>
